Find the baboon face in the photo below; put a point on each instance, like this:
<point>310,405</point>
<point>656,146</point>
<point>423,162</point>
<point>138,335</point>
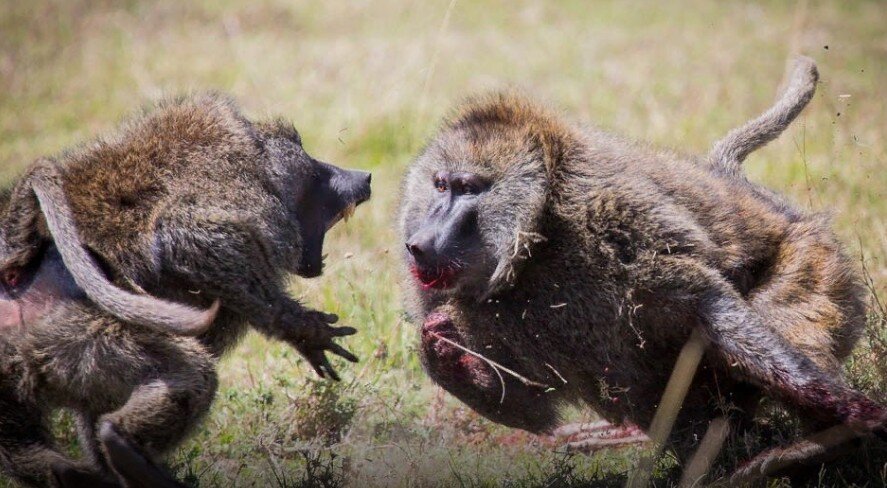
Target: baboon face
<point>331,196</point>
<point>471,199</point>
<point>324,195</point>
<point>30,292</point>
<point>447,244</point>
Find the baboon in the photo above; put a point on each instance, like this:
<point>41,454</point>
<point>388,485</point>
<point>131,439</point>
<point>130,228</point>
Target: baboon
<point>581,262</point>
<point>131,264</point>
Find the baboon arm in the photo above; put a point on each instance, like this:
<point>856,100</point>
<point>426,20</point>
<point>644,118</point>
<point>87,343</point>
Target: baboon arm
<point>754,351</point>
<point>482,381</point>
<point>728,154</point>
<point>137,309</point>
<point>227,258</point>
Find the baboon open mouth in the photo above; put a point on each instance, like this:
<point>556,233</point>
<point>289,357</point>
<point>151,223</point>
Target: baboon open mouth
<point>345,214</point>
<point>434,278</point>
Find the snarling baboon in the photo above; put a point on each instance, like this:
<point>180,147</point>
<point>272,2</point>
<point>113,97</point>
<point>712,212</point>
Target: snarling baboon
<point>582,262</point>
<point>130,264</point>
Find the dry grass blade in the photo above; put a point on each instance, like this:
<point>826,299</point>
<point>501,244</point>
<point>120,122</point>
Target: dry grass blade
<point>496,366</point>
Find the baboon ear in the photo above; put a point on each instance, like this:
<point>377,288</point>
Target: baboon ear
<point>512,215</point>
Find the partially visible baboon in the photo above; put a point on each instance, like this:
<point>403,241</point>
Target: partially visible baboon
<point>123,382</point>
<point>131,264</point>
<point>582,262</point>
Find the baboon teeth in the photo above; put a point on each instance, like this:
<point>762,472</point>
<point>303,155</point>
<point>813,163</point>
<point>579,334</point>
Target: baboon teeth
<point>348,212</point>
<point>345,214</point>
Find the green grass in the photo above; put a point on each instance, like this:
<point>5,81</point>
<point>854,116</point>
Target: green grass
<point>365,83</point>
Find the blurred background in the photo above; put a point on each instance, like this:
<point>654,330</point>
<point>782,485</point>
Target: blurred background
<point>366,82</point>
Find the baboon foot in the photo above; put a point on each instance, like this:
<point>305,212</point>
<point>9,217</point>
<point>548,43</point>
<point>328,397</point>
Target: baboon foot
<point>130,464</point>
<point>795,459</point>
<point>66,475</point>
<point>590,437</point>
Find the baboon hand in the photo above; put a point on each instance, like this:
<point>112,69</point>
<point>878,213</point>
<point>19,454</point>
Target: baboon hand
<point>315,337</point>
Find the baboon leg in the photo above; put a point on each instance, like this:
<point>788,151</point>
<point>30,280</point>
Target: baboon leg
<point>72,476</point>
<point>754,352</point>
<point>764,358</point>
<point>156,417</point>
<point>805,453</point>
<point>27,453</point>
<point>131,464</point>
<point>18,240</point>
<point>161,412</point>
<point>244,275</point>
<point>809,300</point>
<point>86,430</point>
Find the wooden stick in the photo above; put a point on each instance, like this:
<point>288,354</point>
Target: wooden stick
<point>703,458</point>
<point>672,399</point>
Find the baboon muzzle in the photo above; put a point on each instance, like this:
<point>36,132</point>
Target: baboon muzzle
<point>353,186</point>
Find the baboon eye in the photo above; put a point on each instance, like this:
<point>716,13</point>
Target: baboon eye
<point>440,185</point>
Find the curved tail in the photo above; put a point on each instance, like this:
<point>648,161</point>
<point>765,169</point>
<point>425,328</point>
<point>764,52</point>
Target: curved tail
<point>728,154</point>
<point>143,310</point>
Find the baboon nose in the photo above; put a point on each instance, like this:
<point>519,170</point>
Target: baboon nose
<point>421,247</point>
<point>421,251</point>
<point>363,180</point>
<point>414,250</point>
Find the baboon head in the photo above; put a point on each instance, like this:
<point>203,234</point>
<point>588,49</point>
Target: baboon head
<point>322,194</point>
<point>473,199</point>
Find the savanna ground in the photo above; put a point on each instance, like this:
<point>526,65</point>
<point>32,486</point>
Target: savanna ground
<point>366,82</point>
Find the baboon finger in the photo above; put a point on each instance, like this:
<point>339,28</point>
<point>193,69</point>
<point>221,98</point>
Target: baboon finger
<point>325,364</point>
<point>341,351</point>
<point>343,331</point>
<point>331,318</point>
<point>312,360</point>
<point>322,365</point>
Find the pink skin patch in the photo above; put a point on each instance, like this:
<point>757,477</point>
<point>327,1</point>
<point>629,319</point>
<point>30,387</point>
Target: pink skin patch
<point>10,309</point>
<point>853,408</point>
<point>34,303</point>
<point>11,277</point>
<point>439,325</point>
<point>438,278</point>
<point>600,435</point>
<point>457,365</point>
<point>10,314</point>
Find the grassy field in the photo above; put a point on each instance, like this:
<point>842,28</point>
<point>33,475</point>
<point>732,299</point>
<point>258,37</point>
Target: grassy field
<point>366,82</point>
